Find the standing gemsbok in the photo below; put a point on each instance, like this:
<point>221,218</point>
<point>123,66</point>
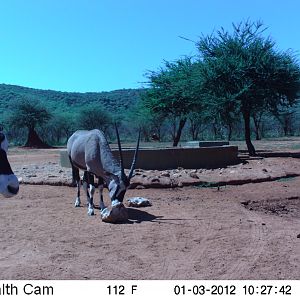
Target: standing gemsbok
<point>90,151</point>
<point>9,185</point>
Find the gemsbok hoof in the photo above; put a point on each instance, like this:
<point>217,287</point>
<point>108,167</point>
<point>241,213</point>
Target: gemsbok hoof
<point>116,214</point>
<point>91,212</point>
<point>77,202</point>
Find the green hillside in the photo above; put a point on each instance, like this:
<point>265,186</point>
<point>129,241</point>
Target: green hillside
<point>115,101</point>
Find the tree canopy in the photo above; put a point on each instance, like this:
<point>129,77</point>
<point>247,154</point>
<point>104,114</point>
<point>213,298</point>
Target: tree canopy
<point>29,114</point>
<point>237,74</point>
<point>92,117</point>
<point>244,72</point>
<point>174,92</point>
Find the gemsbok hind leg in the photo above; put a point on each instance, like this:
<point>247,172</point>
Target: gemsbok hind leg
<point>89,186</point>
<point>76,178</point>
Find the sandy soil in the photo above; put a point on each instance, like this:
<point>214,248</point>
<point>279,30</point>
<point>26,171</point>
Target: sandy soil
<point>240,231</point>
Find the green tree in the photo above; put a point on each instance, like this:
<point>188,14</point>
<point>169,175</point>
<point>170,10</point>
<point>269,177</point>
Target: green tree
<point>244,69</point>
<point>29,114</point>
<point>91,117</point>
<point>149,122</point>
<point>286,117</point>
<point>173,92</point>
<point>257,118</point>
<point>197,123</point>
<point>59,127</point>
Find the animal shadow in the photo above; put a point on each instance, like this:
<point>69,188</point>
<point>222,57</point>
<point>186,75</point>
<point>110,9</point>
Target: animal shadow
<point>138,216</point>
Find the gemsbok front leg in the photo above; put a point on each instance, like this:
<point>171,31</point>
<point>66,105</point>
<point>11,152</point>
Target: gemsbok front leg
<point>89,186</point>
<point>101,187</point>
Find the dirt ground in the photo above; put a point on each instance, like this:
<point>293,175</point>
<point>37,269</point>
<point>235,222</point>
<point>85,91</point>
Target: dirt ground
<point>239,230</point>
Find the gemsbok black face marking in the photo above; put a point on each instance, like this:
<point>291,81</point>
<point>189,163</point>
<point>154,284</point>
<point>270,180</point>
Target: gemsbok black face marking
<point>90,151</point>
<point>9,185</point>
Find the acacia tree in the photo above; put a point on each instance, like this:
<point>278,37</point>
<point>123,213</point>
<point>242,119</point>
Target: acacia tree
<point>29,114</point>
<point>257,118</point>
<point>198,122</point>
<point>94,118</point>
<point>59,127</point>
<point>173,92</point>
<point>286,119</point>
<point>149,122</point>
<point>244,68</point>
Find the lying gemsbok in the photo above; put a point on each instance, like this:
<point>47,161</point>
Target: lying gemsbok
<point>90,151</point>
<point>9,185</point>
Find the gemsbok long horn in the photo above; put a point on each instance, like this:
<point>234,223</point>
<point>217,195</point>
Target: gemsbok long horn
<point>120,151</point>
<point>134,157</point>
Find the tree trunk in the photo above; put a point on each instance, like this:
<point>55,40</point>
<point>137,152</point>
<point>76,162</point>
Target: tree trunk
<point>286,127</point>
<point>33,140</point>
<point>257,121</point>
<point>194,129</point>
<point>249,144</point>
<point>215,130</point>
<point>179,131</point>
<point>229,131</point>
<point>193,132</point>
<point>146,134</point>
<point>257,136</point>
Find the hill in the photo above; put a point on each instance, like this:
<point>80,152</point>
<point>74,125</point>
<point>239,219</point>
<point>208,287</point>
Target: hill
<point>116,101</point>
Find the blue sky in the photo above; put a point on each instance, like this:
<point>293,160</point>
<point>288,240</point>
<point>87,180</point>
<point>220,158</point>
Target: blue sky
<point>103,45</point>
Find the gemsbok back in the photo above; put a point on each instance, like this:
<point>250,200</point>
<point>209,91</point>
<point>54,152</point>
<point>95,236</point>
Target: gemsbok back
<point>9,185</point>
<point>90,151</point>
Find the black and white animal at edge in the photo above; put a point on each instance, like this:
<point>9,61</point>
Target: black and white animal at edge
<point>9,185</point>
<point>90,151</point>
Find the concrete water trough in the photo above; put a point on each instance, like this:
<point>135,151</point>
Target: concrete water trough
<point>172,158</point>
<point>196,144</point>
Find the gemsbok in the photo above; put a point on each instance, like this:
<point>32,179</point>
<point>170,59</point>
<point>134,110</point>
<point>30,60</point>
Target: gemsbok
<point>90,151</point>
<point>9,185</point>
